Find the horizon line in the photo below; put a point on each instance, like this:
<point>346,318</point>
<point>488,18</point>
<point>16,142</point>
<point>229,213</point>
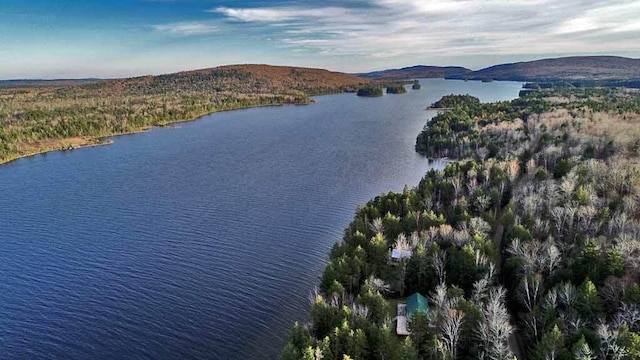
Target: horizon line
<point>89,78</point>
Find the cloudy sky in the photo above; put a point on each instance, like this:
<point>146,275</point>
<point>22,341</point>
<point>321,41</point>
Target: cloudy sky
<point>82,38</point>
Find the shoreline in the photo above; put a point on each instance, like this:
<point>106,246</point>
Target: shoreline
<point>428,108</point>
<point>106,139</point>
<point>89,144</point>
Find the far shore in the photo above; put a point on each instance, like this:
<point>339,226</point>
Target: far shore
<point>87,142</point>
<point>436,108</point>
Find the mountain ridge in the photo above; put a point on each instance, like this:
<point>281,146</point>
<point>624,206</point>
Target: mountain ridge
<point>272,73</point>
<point>549,69</point>
<point>417,71</point>
<point>598,67</point>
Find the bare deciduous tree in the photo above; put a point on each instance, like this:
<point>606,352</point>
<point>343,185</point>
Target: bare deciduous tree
<point>376,226</point>
<point>457,187</point>
<point>480,291</point>
<point>439,262</point>
<point>446,232</point>
<point>608,336</point>
<point>629,314</point>
<point>439,296</point>
<point>414,239</point>
<point>360,311</point>
<point>495,329</point>
<point>378,285</point>
<point>313,295</point>
<point>482,203</point>
<point>429,236</point>
<point>449,333</point>
<point>552,256</point>
<point>530,291</point>
<point>567,294</point>
<point>479,226</point>
<point>576,324</point>
<point>629,247</point>
<point>402,243</point>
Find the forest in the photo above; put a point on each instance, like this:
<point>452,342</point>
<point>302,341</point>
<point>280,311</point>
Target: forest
<point>398,89</point>
<point>370,91</point>
<point>39,117</point>
<point>526,246</point>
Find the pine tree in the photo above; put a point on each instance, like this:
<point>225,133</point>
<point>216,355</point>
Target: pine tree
<point>581,350</point>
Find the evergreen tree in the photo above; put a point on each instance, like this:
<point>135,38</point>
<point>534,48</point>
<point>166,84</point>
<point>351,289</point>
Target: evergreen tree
<point>581,350</point>
<point>589,304</point>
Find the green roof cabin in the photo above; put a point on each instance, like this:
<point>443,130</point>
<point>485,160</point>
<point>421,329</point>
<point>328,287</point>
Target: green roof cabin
<point>414,303</point>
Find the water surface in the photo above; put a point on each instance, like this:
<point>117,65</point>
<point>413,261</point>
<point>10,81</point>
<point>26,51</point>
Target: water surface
<point>198,241</point>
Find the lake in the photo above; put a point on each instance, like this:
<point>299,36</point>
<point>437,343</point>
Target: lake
<point>200,240</point>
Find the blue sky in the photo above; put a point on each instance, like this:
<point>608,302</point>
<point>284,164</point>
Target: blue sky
<point>75,38</point>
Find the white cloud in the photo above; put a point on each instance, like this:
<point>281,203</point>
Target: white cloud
<point>606,18</point>
<point>426,7</point>
<point>279,14</point>
<point>396,28</point>
<point>263,14</point>
<point>187,28</point>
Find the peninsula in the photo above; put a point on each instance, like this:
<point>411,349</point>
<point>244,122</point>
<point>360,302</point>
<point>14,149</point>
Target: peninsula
<point>41,116</point>
<point>525,247</point>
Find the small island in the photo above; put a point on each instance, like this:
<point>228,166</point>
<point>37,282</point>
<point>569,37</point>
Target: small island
<point>370,91</point>
<point>396,89</point>
<point>416,85</point>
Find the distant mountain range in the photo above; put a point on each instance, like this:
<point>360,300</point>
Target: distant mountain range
<point>596,70</point>
<point>418,71</point>
<point>557,69</point>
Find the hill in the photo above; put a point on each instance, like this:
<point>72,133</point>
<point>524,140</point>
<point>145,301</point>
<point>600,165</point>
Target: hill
<point>566,68</point>
<point>65,114</point>
<point>418,71</point>
<point>309,80</point>
<point>243,79</point>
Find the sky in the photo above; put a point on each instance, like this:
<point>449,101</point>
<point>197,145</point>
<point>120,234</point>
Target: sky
<point>80,38</point>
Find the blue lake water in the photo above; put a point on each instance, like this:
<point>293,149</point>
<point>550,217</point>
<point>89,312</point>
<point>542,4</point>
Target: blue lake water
<point>199,241</point>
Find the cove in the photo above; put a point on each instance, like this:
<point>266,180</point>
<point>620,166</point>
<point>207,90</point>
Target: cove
<point>200,240</point>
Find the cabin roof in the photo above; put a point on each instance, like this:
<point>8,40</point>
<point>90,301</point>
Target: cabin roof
<point>416,302</point>
<point>400,254</point>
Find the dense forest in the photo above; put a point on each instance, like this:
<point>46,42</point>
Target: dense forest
<point>397,89</point>
<point>633,84</point>
<point>526,246</point>
<point>36,118</point>
<point>370,91</point>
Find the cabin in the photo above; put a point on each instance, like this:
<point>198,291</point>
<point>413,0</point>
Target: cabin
<point>399,254</point>
<point>414,303</point>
